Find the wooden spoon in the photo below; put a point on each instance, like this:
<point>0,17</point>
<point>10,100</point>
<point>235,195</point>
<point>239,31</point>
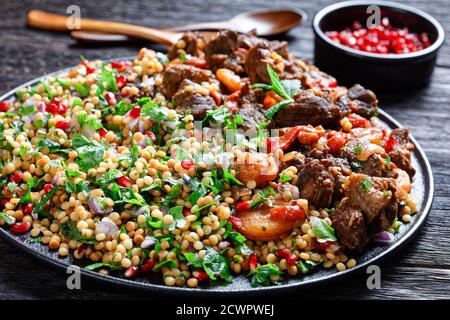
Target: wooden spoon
<point>266,23</point>
<point>50,21</point>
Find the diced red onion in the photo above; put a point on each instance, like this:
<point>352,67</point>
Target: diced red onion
<point>288,187</point>
<point>223,245</point>
<point>132,123</point>
<point>141,126</point>
<point>97,207</point>
<point>41,106</point>
<point>383,237</point>
<point>108,227</point>
<point>148,242</point>
<point>141,210</point>
<point>313,220</point>
<point>55,180</point>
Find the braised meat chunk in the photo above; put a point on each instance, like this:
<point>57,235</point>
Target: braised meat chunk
<point>308,108</point>
<point>376,197</point>
<point>192,97</point>
<point>348,221</point>
<point>190,45</point>
<point>399,148</point>
<point>175,74</point>
<point>320,181</point>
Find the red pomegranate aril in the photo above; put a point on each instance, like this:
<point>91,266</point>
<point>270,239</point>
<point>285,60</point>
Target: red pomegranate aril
<point>4,106</point>
<point>110,98</point>
<point>135,112</point>
<point>242,205</point>
<point>132,272</point>
<point>186,212</point>
<point>120,82</point>
<point>120,65</point>
<point>102,132</point>
<point>323,245</point>
<point>187,164</point>
<point>89,69</point>
<point>56,107</point>
<point>236,222</point>
<point>252,261</point>
<point>151,135</point>
<point>124,182</point>
<point>28,209</point>
<point>283,253</point>
<point>15,177</point>
<point>48,187</point>
<point>82,249</point>
<point>3,202</point>
<point>63,125</point>
<point>148,265</point>
<point>383,38</point>
<point>200,275</point>
<point>21,227</point>
<point>391,144</point>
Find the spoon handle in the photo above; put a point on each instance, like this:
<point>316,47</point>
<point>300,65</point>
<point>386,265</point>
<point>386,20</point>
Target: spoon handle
<point>50,21</point>
<point>214,25</point>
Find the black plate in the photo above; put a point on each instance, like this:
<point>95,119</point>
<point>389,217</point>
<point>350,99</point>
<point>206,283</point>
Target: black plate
<point>423,189</point>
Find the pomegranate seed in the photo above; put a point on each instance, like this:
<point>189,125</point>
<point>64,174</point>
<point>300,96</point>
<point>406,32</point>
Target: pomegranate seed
<point>151,135</point>
<point>132,272</point>
<point>381,39</point>
<point>89,69</point>
<point>120,82</point>
<point>48,187</point>
<point>56,107</point>
<point>4,106</point>
<point>186,212</point>
<point>63,125</point>
<point>82,249</point>
<point>3,202</point>
<point>21,227</point>
<point>102,132</point>
<point>283,253</point>
<point>135,112</point>
<point>28,209</point>
<point>391,144</point>
<point>236,222</point>
<point>124,182</point>
<point>120,65</point>
<point>252,262</point>
<point>187,164</point>
<point>148,265</point>
<point>242,205</point>
<point>110,98</point>
<point>15,177</point>
<point>324,245</point>
<point>200,275</point>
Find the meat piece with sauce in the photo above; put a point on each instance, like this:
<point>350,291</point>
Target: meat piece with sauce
<point>348,221</point>
<point>188,98</point>
<point>401,150</point>
<point>174,75</point>
<point>376,197</point>
<point>308,108</point>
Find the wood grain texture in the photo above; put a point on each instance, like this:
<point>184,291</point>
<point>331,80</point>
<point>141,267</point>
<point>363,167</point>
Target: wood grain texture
<point>420,271</point>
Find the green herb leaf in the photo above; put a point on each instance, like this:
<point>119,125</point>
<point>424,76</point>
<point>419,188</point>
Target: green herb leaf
<point>112,266</point>
<point>108,80</point>
<point>276,83</point>
<point>261,275</point>
<point>165,263</point>
<point>216,266</point>
<point>280,105</point>
<point>307,265</point>
<point>366,185</point>
<point>323,231</point>
<point>7,218</point>
<point>172,195</point>
<point>193,260</point>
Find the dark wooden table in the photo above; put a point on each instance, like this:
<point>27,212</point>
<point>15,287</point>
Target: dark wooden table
<point>420,271</point>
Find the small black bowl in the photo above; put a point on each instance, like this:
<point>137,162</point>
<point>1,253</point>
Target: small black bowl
<point>383,72</point>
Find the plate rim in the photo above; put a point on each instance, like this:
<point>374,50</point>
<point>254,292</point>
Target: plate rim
<point>221,290</point>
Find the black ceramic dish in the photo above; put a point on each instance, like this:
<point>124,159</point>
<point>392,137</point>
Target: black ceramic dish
<point>423,189</point>
<point>385,72</point>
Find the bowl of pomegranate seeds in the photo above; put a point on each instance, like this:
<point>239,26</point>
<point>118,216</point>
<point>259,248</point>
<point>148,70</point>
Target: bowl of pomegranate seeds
<point>394,51</point>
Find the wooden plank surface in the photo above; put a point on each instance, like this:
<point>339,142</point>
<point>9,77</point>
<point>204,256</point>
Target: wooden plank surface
<point>420,271</point>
